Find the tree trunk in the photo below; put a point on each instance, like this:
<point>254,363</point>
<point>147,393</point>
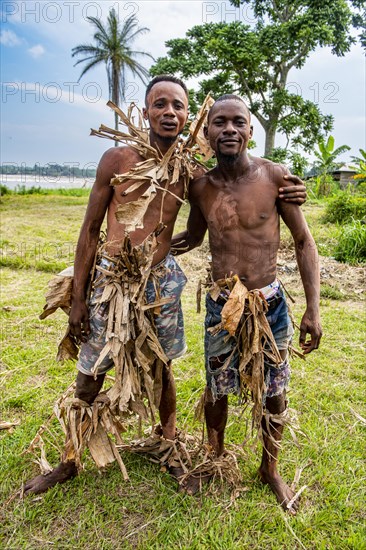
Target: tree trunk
<point>116,126</point>
<point>270,140</point>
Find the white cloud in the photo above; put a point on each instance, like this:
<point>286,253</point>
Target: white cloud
<point>9,38</point>
<point>36,51</point>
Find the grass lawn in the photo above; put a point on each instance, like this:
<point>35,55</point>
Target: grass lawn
<point>100,510</point>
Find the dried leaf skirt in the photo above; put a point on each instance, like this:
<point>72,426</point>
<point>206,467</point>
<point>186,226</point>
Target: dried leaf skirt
<point>132,343</point>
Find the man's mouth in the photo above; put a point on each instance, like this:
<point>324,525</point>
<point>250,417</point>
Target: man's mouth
<point>229,141</point>
<point>169,125</point>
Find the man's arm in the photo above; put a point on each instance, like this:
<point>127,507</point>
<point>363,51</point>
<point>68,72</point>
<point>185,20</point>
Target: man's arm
<point>308,262</point>
<point>99,200</point>
<point>193,235</point>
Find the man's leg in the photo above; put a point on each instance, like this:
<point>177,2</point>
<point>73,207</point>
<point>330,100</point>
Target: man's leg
<point>216,418</point>
<point>168,403</point>
<point>268,468</point>
<point>87,388</point>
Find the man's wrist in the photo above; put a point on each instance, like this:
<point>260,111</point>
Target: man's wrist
<point>313,311</point>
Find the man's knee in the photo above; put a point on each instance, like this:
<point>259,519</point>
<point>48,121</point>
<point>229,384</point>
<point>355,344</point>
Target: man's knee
<point>277,403</point>
<point>87,388</point>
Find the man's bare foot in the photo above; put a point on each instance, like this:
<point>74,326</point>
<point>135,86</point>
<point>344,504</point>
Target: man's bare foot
<point>41,484</point>
<point>175,471</point>
<point>283,492</point>
<point>193,483</point>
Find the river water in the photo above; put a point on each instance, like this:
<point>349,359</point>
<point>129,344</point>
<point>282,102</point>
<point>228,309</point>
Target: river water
<point>45,182</point>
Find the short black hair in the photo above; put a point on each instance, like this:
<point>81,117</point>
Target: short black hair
<point>226,97</point>
<point>166,78</point>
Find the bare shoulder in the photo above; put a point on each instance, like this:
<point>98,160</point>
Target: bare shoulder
<point>118,158</point>
<point>199,171</point>
<point>115,160</point>
<point>272,170</point>
<point>197,186</point>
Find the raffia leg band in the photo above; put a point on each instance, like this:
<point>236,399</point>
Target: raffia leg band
<point>286,418</point>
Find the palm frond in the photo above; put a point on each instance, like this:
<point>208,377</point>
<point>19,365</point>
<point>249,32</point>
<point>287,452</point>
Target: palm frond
<point>113,48</point>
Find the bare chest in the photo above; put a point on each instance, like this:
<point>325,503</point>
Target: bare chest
<point>248,208</point>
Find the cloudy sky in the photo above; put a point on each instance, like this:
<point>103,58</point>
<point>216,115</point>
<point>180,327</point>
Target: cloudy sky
<point>46,114</point>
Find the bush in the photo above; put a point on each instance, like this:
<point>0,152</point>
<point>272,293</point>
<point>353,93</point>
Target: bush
<point>322,186</point>
<point>4,190</point>
<point>351,245</point>
<point>345,208</point>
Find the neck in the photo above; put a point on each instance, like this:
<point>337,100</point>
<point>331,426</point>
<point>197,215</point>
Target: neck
<point>233,166</point>
<point>161,143</point>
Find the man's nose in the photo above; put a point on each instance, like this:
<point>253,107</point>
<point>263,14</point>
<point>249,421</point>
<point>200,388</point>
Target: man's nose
<point>230,128</point>
<point>169,110</point>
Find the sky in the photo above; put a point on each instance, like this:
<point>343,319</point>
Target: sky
<point>47,114</point>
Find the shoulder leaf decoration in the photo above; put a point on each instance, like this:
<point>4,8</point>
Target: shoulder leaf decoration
<point>158,170</point>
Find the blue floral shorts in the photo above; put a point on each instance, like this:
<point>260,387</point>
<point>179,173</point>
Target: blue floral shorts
<point>223,381</point>
<point>170,279</point>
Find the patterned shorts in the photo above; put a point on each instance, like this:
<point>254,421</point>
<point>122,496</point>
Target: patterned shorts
<point>223,381</point>
<point>168,323</point>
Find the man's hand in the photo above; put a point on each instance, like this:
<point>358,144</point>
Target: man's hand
<point>310,324</point>
<point>79,320</point>
<point>293,193</point>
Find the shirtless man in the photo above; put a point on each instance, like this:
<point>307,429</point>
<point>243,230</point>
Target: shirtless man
<point>237,201</point>
<point>166,110</point>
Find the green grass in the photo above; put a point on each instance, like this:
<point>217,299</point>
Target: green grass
<point>351,246</point>
<point>100,510</point>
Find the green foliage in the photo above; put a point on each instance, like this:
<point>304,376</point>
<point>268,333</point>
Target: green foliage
<point>113,48</point>
<point>351,245</point>
<point>37,190</point>
<point>360,167</point>
<point>327,155</point>
<point>296,161</point>
<point>344,208</point>
<point>4,190</point>
<point>331,292</point>
<point>278,154</point>
<point>326,162</point>
<point>255,62</point>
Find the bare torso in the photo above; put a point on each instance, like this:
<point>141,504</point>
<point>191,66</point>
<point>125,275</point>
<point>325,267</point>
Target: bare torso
<point>154,214</point>
<point>243,222</point>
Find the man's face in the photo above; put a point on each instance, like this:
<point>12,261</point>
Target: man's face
<point>166,110</point>
<point>229,128</point>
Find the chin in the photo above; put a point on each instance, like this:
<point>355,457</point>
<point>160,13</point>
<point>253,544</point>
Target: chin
<point>169,137</point>
<point>229,158</point>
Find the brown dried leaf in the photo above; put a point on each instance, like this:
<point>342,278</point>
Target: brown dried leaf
<point>67,348</point>
<point>58,295</point>
<point>234,307</point>
<point>132,213</point>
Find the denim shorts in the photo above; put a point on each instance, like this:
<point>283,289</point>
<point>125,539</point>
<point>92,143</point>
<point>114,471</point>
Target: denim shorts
<point>170,279</point>
<point>224,379</point>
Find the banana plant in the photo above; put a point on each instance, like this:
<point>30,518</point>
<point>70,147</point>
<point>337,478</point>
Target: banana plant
<point>326,162</point>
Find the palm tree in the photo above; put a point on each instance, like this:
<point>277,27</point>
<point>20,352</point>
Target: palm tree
<point>113,47</point>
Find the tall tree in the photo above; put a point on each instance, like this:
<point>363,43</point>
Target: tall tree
<point>113,47</point>
<point>255,62</point>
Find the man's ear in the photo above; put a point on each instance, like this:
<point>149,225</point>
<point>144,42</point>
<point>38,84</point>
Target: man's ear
<point>144,113</point>
<point>251,132</point>
<point>205,132</point>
